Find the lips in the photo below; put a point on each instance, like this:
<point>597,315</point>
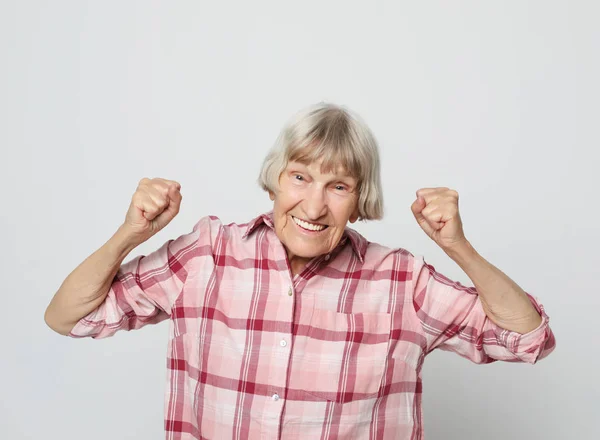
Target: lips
<point>309,226</point>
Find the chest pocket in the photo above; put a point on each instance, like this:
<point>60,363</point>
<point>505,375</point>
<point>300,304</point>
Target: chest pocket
<point>341,357</point>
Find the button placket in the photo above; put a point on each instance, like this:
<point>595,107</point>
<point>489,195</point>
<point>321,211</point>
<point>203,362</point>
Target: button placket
<point>277,380</point>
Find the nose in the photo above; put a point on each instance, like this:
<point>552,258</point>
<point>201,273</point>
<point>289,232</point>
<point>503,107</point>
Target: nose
<point>316,203</point>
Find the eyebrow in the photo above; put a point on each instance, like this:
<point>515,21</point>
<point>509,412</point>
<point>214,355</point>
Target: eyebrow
<point>345,177</point>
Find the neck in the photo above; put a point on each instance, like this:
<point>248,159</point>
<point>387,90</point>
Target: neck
<point>297,263</point>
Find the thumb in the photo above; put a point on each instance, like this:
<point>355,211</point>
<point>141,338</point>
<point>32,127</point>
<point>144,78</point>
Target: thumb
<point>417,209</point>
<point>172,209</point>
<point>174,200</point>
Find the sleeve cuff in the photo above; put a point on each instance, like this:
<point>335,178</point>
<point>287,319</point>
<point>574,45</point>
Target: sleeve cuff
<point>529,347</point>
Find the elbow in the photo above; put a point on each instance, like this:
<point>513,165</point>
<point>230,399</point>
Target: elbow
<point>59,327</point>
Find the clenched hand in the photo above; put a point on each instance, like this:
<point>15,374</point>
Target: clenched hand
<point>153,205</point>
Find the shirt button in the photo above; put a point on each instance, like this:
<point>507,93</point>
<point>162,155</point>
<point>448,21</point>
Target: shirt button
<point>290,292</point>
<point>275,397</point>
<point>327,257</point>
<point>283,343</point>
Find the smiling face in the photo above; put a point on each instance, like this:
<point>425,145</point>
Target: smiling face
<point>311,210</point>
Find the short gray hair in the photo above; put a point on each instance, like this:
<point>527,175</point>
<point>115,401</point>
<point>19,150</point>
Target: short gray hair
<point>339,137</point>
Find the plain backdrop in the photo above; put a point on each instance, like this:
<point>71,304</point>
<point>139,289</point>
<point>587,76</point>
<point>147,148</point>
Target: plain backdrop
<point>497,100</point>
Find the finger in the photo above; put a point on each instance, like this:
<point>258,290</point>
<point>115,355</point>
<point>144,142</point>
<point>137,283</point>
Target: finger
<point>437,194</point>
<point>165,183</point>
<point>417,206</point>
<point>146,205</point>
<point>159,195</point>
<point>167,197</point>
<point>434,215</point>
<point>428,191</point>
<point>169,188</point>
<point>171,210</point>
<point>175,198</point>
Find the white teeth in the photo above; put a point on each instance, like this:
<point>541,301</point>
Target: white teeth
<point>309,226</point>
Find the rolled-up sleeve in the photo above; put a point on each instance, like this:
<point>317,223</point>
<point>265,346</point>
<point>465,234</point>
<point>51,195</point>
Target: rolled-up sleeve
<point>145,288</point>
<point>453,319</point>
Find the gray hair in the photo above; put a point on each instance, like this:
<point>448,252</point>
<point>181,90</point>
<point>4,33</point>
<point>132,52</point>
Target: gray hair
<point>338,136</point>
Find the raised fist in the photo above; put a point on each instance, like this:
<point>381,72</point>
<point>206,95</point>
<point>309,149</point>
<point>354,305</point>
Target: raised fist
<point>153,205</point>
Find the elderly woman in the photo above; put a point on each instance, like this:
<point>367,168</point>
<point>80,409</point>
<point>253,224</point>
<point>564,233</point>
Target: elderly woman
<point>293,325</point>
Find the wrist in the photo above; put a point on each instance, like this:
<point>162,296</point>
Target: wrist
<point>123,241</point>
<point>461,251</point>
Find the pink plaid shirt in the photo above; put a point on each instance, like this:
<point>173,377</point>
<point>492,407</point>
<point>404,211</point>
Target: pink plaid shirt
<point>333,352</point>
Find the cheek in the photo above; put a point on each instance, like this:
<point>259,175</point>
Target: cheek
<point>343,212</point>
<point>289,198</point>
<point>293,191</point>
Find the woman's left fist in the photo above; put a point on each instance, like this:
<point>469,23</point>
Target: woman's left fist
<point>436,211</point>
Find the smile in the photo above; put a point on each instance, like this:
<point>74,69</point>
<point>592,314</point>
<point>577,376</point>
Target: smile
<point>308,226</point>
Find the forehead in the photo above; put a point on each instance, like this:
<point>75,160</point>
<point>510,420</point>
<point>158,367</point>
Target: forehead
<point>336,158</point>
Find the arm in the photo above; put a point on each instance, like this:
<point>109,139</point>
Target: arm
<point>503,301</point>
<point>496,320</point>
<point>153,205</point>
<point>453,319</point>
<point>87,286</point>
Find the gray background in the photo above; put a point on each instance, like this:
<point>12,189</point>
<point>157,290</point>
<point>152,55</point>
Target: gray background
<point>498,100</point>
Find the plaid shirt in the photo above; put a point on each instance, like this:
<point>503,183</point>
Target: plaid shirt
<point>333,352</point>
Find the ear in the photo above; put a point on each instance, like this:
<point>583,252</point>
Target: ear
<point>354,216</point>
<point>271,195</point>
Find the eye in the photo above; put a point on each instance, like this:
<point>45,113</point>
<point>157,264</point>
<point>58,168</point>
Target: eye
<point>298,177</point>
<point>340,188</point>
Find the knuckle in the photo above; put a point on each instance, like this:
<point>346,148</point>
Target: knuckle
<point>138,197</point>
<point>161,187</point>
<point>163,182</point>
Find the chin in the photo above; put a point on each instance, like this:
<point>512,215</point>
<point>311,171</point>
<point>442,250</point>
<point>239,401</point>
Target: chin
<point>306,253</point>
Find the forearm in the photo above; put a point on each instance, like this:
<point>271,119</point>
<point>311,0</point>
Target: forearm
<point>503,301</point>
<point>88,285</point>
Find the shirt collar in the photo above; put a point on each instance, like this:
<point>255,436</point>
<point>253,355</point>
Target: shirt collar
<point>357,241</point>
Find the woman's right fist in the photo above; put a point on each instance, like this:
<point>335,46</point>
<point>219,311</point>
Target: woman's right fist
<point>153,205</point>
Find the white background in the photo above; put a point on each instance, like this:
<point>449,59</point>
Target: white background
<point>498,100</point>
